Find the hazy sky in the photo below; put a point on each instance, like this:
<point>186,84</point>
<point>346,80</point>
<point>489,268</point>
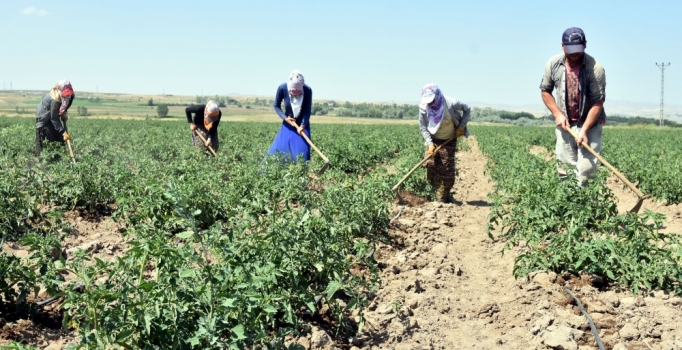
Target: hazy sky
<point>487,51</point>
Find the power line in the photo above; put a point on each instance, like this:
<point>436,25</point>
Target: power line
<point>662,67</point>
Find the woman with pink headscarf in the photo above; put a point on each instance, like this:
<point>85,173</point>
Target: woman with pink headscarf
<point>441,118</point>
<point>298,99</point>
<point>51,112</point>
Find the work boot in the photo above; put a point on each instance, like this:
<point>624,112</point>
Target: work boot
<point>447,199</point>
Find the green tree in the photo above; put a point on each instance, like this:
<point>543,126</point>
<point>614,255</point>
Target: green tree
<point>162,110</point>
<point>82,111</point>
<point>150,102</point>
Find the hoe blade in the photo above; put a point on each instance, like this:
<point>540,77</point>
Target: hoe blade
<point>324,168</point>
<point>638,206</point>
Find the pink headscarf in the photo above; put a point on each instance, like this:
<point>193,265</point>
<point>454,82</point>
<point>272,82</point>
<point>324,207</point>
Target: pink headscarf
<point>66,92</point>
<point>295,82</point>
<point>436,109</point>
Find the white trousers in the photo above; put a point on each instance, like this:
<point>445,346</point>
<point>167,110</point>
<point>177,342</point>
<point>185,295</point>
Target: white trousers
<point>567,151</point>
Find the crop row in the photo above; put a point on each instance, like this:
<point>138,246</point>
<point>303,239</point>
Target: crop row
<point>568,228</point>
<point>650,158</point>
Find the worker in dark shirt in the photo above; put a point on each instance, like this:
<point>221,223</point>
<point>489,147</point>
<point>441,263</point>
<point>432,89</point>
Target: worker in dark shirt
<point>206,120</point>
<point>50,114</point>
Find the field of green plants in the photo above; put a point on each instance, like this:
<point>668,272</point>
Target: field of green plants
<point>650,158</point>
<point>234,253</point>
<point>224,252</point>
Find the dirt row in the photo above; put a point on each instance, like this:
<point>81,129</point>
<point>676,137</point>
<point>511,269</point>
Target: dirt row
<point>446,286</point>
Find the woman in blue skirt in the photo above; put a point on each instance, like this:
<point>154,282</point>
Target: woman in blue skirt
<point>298,100</point>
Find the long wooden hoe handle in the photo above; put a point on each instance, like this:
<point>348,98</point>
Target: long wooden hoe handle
<point>68,143</point>
<point>203,139</point>
<point>420,163</point>
<point>305,137</point>
<point>608,165</point>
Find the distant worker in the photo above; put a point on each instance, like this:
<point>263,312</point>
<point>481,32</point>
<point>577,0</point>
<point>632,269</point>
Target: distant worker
<point>205,121</point>
<point>51,111</point>
<point>441,118</point>
<point>298,100</point>
<point>580,82</point>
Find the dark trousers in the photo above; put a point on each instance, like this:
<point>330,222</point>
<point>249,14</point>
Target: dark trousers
<point>47,133</point>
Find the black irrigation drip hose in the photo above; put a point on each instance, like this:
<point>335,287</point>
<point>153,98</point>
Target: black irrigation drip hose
<point>589,319</point>
<point>48,301</point>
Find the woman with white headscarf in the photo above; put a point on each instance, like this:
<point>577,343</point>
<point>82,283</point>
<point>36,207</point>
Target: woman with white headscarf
<point>51,112</point>
<point>440,119</point>
<point>298,99</point>
<point>206,120</point>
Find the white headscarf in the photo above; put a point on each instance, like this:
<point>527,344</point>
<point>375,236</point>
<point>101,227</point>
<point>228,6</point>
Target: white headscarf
<point>295,83</point>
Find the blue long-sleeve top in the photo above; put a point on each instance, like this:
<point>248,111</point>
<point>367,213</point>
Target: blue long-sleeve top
<point>303,118</point>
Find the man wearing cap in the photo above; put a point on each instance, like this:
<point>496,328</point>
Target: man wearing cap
<point>51,112</point>
<point>441,118</point>
<point>580,84</point>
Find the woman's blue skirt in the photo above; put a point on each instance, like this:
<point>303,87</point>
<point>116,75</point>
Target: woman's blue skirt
<point>289,144</point>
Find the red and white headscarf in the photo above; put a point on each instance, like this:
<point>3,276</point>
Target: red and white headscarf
<point>295,83</point>
<point>65,93</point>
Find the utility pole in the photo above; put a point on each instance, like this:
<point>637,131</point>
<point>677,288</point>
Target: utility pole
<point>662,67</point>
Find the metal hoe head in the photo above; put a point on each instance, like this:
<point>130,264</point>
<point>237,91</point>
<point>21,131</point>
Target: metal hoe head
<point>638,206</point>
<point>323,169</point>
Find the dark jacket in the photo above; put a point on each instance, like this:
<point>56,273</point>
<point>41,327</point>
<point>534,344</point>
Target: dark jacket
<point>48,112</point>
<point>283,95</point>
<point>198,119</point>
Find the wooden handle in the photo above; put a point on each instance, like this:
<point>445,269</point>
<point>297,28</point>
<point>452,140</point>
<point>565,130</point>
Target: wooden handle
<point>608,165</point>
<point>68,143</point>
<point>420,163</point>
<point>305,137</point>
<point>203,139</point>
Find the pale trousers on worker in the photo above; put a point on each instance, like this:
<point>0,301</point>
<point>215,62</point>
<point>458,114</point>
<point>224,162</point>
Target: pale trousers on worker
<point>568,151</point>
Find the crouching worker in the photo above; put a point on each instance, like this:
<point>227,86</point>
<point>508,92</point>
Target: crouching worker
<point>51,111</point>
<point>205,121</point>
<point>441,118</point>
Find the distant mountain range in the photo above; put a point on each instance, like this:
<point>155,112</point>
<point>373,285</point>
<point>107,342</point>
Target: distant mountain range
<point>613,107</point>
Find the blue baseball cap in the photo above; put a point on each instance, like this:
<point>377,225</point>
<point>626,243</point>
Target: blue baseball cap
<point>574,40</point>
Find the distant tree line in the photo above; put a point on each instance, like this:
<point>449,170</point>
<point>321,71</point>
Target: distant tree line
<point>222,101</point>
<point>94,99</point>
<point>621,120</point>
<point>378,110</point>
<point>20,111</point>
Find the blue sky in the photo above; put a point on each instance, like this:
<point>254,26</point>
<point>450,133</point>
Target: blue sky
<point>487,51</point>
